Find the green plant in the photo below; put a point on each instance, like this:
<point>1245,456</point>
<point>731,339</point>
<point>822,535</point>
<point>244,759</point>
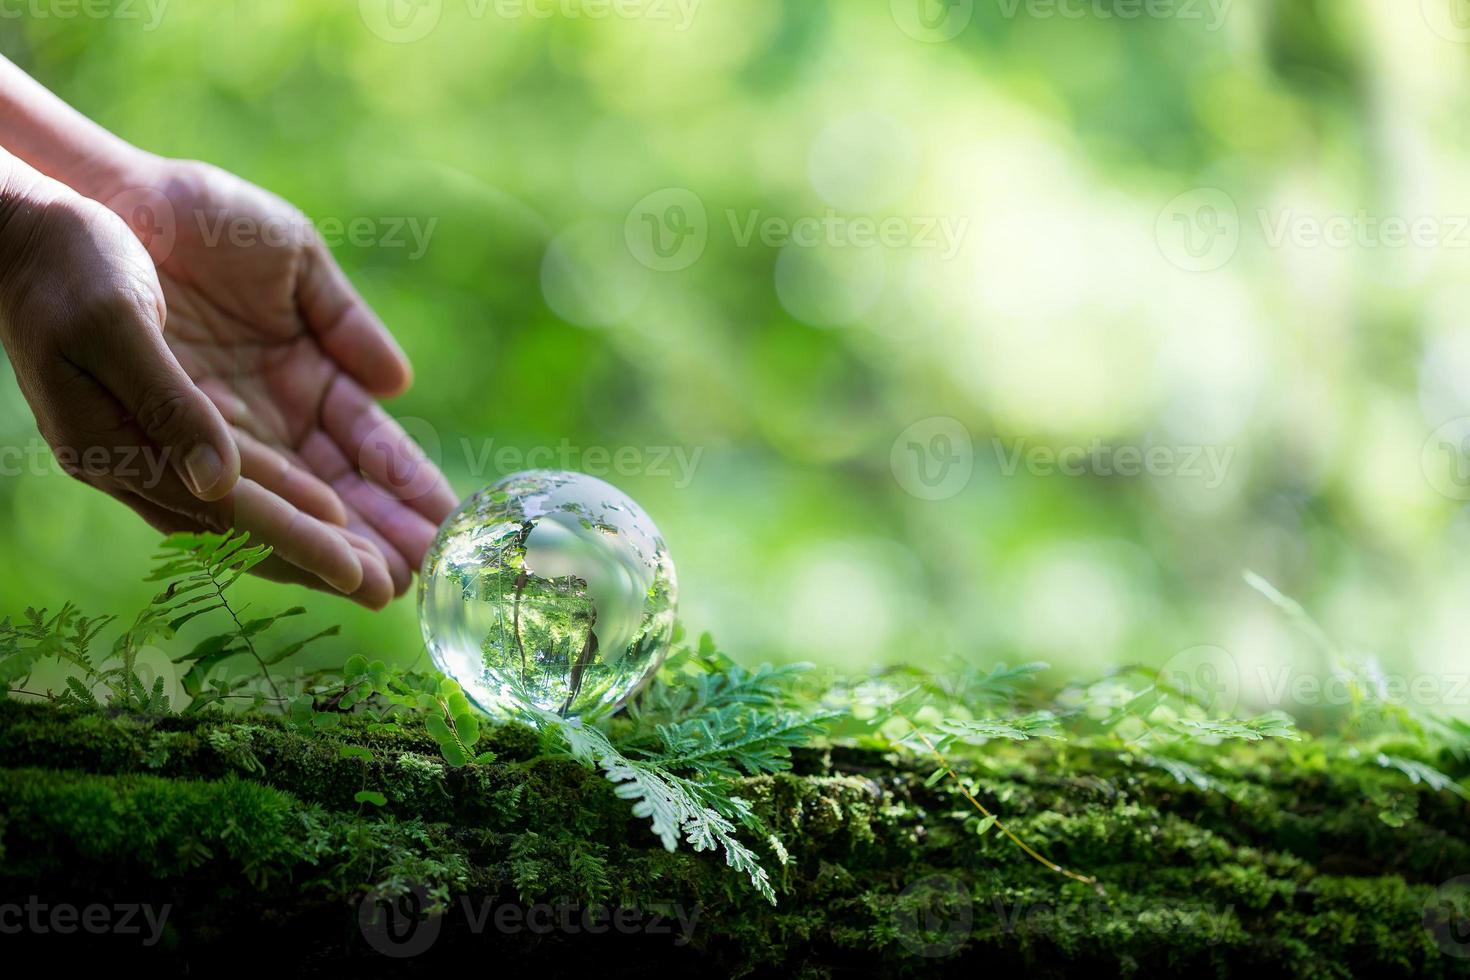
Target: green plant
<point>700,724</point>
<point>197,572</point>
<point>688,742</point>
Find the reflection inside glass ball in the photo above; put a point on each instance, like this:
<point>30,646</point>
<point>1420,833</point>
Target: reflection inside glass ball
<point>550,589</point>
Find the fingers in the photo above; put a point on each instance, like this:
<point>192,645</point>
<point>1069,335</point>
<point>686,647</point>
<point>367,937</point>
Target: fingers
<point>370,438</point>
<point>347,328</point>
<point>378,587</point>
<point>310,544</point>
<point>288,480</point>
<point>306,542</point>
<point>399,573</point>
<point>94,442</point>
<point>403,535</point>
<point>125,351</point>
<point>375,592</point>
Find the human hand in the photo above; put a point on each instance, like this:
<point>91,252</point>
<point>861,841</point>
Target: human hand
<point>265,323</point>
<point>82,318</point>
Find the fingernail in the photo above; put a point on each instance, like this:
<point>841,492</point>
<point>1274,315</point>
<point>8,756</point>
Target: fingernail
<point>352,581</point>
<point>203,468</point>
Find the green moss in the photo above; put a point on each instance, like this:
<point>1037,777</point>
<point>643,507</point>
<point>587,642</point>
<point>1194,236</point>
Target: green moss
<point>1286,868</point>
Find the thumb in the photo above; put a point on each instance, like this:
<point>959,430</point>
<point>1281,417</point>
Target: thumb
<point>132,361</point>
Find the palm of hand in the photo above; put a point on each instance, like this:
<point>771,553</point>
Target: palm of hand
<point>266,324</point>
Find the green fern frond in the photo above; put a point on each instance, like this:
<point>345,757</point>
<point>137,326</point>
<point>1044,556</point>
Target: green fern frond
<point>677,807</point>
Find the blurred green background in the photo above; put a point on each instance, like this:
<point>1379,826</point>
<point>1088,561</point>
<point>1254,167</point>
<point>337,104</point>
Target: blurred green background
<point>1134,267</point>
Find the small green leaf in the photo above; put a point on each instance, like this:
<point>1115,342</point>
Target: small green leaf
<point>439,729</point>
<point>354,752</point>
<point>301,709</point>
<point>356,666</point>
<point>325,721</point>
<point>985,825</point>
<point>467,726</point>
<point>370,796</point>
<point>453,754</point>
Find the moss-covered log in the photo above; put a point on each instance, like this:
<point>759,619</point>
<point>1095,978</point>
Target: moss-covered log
<point>251,836</point>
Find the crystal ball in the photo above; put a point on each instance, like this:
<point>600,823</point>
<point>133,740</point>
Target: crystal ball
<point>548,589</point>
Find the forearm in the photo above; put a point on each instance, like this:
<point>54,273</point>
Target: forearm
<point>58,141</point>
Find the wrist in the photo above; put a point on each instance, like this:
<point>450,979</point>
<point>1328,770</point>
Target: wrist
<point>56,140</point>
<point>106,175</point>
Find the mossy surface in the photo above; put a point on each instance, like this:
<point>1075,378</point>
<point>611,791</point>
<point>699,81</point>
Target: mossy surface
<point>248,830</point>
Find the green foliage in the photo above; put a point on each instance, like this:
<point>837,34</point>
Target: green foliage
<point>688,743</point>
<point>1252,882</point>
<point>702,722</point>
<point>196,571</point>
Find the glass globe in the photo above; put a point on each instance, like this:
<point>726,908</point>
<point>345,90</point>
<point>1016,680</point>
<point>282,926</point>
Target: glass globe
<point>550,589</point>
